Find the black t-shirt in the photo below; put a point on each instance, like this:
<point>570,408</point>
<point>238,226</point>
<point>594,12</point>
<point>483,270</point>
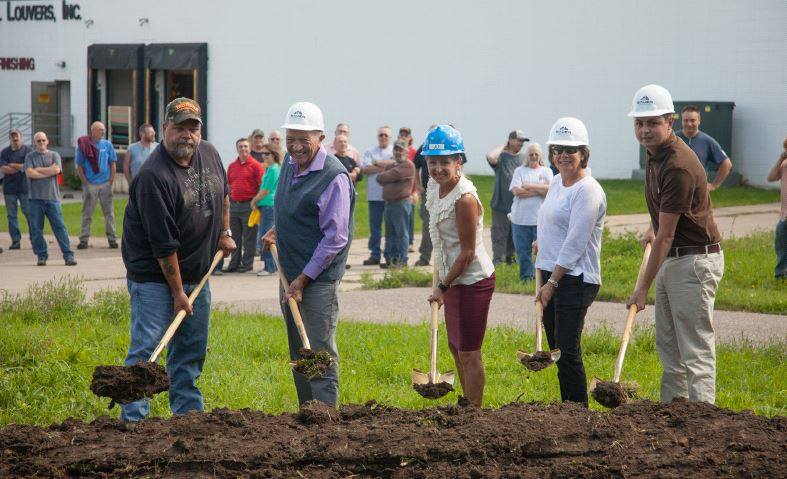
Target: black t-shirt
<point>174,208</point>
<point>15,184</point>
<point>350,165</point>
<point>257,155</point>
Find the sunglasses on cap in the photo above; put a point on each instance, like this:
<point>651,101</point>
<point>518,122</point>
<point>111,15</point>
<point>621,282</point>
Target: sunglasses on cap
<point>559,149</point>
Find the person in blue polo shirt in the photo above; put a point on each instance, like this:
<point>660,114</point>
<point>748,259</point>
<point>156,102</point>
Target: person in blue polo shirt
<point>95,162</point>
<point>705,146</point>
<point>12,162</point>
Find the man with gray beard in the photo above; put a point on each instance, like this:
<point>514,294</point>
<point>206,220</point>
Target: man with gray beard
<point>176,219</point>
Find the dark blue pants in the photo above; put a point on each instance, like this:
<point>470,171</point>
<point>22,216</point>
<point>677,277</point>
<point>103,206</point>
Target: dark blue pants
<point>780,244</point>
<point>11,201</point>
<point>39,209</point>
<point>524,235</point>
<point>266,223</point>
<point>397,239</point>
<point>376,209</point>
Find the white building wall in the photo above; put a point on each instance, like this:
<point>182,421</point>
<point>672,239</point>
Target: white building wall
<point>485,66</point>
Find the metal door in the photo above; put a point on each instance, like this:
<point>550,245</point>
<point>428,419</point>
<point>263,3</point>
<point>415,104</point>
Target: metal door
<point>45,109</point>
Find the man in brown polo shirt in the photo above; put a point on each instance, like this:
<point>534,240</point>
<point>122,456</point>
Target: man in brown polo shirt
<point>686,258</point>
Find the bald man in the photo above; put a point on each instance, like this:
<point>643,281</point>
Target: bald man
<point>41,169</point>
<point>96,160</point>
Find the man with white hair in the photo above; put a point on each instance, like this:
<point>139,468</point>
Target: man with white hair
<point>313,212</point>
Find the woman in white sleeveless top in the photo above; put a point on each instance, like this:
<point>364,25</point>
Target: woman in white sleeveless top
<point>465,271</point>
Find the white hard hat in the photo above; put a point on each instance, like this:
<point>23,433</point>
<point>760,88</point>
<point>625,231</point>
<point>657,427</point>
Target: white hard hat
<point>568,131</point>
<point>651,100</point>
<point>304,116</point>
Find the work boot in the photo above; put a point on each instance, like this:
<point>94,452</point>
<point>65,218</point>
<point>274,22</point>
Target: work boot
<point>112,244</point>
<point>14,245</point>
<point>41,262</point>
<point>82,245</point>
<point>71,262</point>
<point>422,262</point>
<point>371,261</point>
<point>244,269</point>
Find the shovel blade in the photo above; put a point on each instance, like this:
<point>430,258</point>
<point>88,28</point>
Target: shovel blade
<point>420,377</point>
<point>593,383</point>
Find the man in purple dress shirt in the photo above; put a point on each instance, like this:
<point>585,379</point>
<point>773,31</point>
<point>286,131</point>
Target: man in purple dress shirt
<point>313,215</point>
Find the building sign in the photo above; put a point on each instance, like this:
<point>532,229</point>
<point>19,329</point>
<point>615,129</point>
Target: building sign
<point>12,63</point>
<point>40,12</point>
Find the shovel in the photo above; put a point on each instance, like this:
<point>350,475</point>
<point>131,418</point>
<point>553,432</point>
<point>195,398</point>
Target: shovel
<point>541,359</point>
<point>433,385</point>
<point>613,393</point>
<point>311,364</point>
<point>125,384</point>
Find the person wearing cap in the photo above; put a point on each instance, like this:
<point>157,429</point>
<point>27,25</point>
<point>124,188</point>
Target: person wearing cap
<point>41,168</point>
<point>343,129</point>
<point>96,166</point>
<point>686,259</point>
<point>570,227</point>
<point>706,147</point>
<point>313,211</point>
<point>406,135</point>
<point>778,172</point>
<point>256,140</point>
<point>177,218</point>
<point>375,160</point>
<point>12,162</point>
<point>244,176</point>
<point>529,186</point>
<point>465,273</point>
<point>504,160</point>
<point>397,182</point>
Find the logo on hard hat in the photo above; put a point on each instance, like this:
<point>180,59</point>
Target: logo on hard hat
<point>298,114</point>
<point>645,100</point>
<point>563,130</point>
<point>437,146</point>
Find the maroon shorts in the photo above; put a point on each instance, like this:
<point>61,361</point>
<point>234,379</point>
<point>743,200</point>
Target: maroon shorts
<point>466,309</point>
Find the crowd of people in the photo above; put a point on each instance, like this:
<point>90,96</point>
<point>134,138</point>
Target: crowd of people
<point>184,206</point>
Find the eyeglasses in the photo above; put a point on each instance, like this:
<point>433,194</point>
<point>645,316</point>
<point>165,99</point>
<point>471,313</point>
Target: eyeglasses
<point>266,153</point>
<point>559,149</point>
<point>381,135</point>
<point>40,141</point>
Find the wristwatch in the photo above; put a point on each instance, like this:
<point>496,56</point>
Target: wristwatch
<point>442,287</point>
<point>227,233</point>
<point>552,282</point>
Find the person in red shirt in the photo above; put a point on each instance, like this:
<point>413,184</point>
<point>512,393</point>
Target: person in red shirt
<point>244,176</point>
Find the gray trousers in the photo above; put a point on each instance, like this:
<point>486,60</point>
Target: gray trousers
<point>502,239</point>
<point>90,195</point>
<point>245,237</point>
<point>425,250</point>
<point>320,313</point>
<point>685,339</point>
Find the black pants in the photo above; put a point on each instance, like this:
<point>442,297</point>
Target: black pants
<point>245,237</point>
<point>564,319</point>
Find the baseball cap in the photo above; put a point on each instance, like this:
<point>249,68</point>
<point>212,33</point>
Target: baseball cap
<point>257,132</point>
<point>182,109</point>
<point>15,130</point>
<point>401,144</point>
<point>518,135</point>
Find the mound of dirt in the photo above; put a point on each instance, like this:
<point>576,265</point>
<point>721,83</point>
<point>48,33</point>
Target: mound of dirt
<point>125,384</point>
<point>313,364</point>
<point>433,390</point>
<point>520,440</point>
<point>611,394</point>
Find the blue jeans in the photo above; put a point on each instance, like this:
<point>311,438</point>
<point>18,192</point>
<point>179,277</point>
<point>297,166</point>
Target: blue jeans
<point>151,315</point>
<point>266,223</point>
<point>397,217</point>
<point>524,235</point>
<point>37,210</point>
<point>13,220</point>
<point>376,209</point>
<point>411,228</point>
<point>780,244</point>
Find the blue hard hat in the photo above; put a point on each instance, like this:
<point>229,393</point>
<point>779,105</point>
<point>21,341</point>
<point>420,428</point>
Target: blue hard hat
<point>443,140</point>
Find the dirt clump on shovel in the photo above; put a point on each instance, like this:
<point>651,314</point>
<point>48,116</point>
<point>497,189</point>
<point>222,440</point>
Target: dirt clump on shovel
<point>125,384</point>
<point>611,394</point>
<point>433,390</point>
<point>538,361</point>
<point>313,364</point>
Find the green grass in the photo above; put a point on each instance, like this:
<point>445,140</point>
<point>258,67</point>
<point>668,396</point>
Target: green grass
<point>748,283</point>
<point>72,217</point>
<point>623,197</point>
<point>52,338</point>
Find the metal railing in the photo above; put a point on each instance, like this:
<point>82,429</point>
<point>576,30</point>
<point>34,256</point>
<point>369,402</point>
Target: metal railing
<point>58,128</point>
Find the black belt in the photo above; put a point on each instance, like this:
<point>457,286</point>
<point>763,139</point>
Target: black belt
<point>679,251</point>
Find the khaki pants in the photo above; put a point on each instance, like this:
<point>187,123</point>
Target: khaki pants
<point>685,340</point>
<point>90,195</point>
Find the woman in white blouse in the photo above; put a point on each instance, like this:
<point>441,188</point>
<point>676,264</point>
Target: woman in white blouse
<point>570,225</point>
<point>465,272</point>
<point>529,186</point>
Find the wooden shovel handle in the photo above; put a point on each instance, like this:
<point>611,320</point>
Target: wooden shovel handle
<point>182,313</point>
<point>293,305</point>
<point>539,311</point>
<point>433,329</point>
<point>630,319</point>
